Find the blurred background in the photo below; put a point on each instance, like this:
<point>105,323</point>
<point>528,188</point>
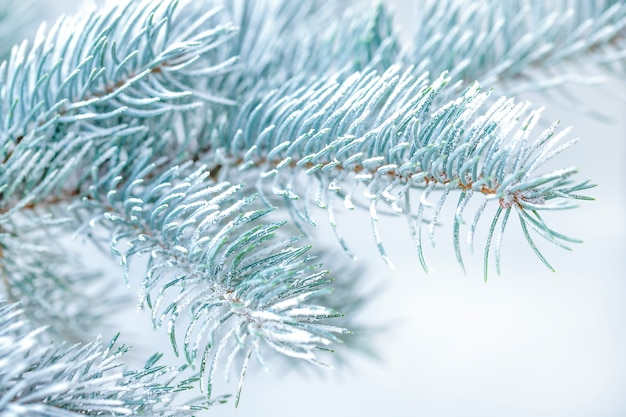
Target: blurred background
<point>529,342</point>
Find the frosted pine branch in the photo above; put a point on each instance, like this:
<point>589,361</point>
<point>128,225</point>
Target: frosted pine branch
<point>48,380</point>
<point>518,45</point>
<point>211,254</point>
<point>93,77</point>
<point>380,133</point>
<point>53,288</point>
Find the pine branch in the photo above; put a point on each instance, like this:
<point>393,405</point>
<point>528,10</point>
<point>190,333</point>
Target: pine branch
<point>48,281</point>
<point>213,255</point>
<point>518,45</point>
<point>379,132</point>
<point>94,77</point>
<point>48,380</point>
<point>273,47</point>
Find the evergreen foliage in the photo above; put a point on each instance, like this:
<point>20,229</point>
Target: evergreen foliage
<point>200,134</point>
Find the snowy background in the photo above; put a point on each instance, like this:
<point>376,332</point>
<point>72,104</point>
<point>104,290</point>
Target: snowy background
<point>526,343</point>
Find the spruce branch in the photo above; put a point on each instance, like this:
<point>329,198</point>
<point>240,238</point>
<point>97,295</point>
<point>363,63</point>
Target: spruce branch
<point>212,255</point>
<point>517,45</point>
<point>380,132</point>
<point>272,48</point>
<point>95,76</point>
<point>48,380</point>
<point>53,288</point>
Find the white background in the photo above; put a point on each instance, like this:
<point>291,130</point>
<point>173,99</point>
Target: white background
<point>527,343</point>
